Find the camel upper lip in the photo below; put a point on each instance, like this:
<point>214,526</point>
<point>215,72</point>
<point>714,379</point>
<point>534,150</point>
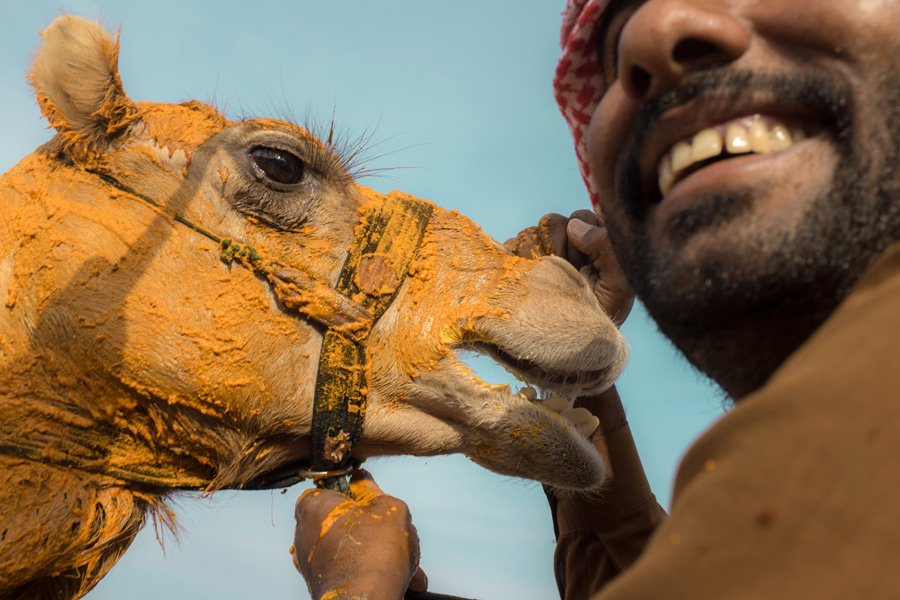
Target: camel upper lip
<point>533,373</point>
<point>686,120</point>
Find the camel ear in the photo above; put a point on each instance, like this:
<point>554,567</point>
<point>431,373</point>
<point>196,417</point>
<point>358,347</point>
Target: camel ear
<point>76,80</point>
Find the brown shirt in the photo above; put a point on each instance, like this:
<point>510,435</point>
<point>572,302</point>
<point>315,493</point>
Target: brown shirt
<point>794,494</point>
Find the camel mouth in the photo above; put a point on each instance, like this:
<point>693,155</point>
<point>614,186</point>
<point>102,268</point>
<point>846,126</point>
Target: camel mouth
<point>572,420</point>
<point>523,369</point>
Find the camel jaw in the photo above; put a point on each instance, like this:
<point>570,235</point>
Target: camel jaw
<point>505,432</point>
<point>502,429</point>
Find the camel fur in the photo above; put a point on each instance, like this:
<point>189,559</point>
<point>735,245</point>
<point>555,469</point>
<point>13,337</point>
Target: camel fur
<point>124,328</point>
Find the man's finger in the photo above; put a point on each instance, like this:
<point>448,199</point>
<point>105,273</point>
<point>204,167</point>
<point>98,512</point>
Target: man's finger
<point>526,244</point>
<point>363,488</point>
<point>588,239</point>
<point>588,216</point>
<point>419,582</point>
<point>316,510</point>
<point>552,234</point>
<point>316,504</point>
<point>611,287</point>
<point>576,255</point>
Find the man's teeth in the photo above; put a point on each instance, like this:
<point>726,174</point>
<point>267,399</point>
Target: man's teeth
<point>740,137</point>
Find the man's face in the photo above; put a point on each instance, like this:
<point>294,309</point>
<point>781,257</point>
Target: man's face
<point>747,157</point>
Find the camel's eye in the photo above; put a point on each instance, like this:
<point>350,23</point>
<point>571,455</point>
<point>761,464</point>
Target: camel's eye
<point>278,165</point>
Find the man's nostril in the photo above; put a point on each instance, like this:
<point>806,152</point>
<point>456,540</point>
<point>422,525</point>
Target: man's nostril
<point>640,80</point>
<point>692,49</point>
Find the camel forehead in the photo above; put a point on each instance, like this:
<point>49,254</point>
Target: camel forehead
<point>189,125</point>
<point>181,126</point>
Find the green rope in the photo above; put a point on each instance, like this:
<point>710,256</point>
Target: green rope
<point>128,190</point>
<point>229,250</point>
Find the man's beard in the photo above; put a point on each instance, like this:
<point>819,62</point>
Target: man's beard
<point>738,320</point>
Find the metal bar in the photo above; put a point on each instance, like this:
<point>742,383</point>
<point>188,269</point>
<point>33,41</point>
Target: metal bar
<point>431,596</point>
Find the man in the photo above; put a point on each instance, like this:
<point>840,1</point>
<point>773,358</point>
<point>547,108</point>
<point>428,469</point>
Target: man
<point>744,155</point>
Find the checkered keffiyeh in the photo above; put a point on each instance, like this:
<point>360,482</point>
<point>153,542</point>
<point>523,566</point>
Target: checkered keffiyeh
<point>578,83</point>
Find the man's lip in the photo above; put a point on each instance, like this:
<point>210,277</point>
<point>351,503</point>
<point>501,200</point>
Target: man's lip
<point>686,120</point>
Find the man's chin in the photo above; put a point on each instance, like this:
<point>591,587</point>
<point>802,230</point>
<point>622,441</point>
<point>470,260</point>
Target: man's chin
<point>737,307</point>
<point>736,297</point>
<point>733,353</point>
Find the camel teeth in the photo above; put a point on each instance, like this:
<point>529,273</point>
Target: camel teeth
<point>555,404</point>
<point>583,420</point>
<point>528,393</point>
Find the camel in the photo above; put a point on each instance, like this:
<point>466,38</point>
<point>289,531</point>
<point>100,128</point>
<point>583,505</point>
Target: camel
<point>176,295</point>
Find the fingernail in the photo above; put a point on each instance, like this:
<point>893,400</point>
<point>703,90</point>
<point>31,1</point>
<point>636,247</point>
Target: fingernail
<point>577,228</point>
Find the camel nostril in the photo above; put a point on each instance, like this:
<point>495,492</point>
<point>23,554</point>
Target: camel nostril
<point>693,49</point>
<point>640,80</point>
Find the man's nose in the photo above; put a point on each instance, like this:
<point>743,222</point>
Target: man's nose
<point>666,40</point>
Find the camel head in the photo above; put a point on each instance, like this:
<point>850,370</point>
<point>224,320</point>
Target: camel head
<point>124,314</point>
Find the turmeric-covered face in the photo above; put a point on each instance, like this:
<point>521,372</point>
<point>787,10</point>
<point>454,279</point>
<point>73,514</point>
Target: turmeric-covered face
<point>121,305</point>
<point>167,277</point>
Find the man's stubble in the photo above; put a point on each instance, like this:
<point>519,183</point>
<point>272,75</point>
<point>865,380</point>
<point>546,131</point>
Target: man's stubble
<point>737,321</point>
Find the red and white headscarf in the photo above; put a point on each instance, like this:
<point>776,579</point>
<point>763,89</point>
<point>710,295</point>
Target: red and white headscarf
<point>578,83</point>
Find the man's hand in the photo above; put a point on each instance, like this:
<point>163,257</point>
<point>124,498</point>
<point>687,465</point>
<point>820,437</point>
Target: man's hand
<point>581,240</point>
<point>364,546</point>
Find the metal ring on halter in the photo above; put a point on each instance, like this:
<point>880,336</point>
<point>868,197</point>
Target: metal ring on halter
<point>306,474</point>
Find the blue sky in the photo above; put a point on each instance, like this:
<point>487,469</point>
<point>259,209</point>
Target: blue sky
<point>457,100</point>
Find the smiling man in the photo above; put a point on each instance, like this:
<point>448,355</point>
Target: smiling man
<point>744,155</point>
